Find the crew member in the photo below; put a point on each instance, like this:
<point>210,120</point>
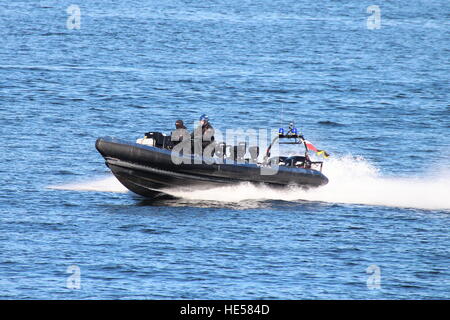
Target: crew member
<point>203,135</point>
<point>179,133</point>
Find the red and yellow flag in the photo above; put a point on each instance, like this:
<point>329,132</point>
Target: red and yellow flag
<point>311,147</point>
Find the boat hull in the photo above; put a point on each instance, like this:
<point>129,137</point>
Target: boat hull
<point>151,171</point>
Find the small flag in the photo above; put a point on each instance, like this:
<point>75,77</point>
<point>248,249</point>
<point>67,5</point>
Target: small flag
<point>311,147</point>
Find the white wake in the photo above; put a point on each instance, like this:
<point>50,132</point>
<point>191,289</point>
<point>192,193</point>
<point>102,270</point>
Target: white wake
<point>351,180</point>
<point>104,184</point>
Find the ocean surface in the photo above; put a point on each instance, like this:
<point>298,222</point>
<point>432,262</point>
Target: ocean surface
<point>366,81</point>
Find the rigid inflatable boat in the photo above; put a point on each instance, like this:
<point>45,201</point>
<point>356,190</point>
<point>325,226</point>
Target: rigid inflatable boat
<point>152,165</point>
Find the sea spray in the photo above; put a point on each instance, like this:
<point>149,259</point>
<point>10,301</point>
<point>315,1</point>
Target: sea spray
<point>100,184</point>
<point>352,180</point>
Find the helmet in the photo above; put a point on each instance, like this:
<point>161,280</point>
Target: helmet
<point>204,117</point>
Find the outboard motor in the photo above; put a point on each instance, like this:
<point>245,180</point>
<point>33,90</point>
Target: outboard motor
<point>153,139</point>
<point>156,139</point>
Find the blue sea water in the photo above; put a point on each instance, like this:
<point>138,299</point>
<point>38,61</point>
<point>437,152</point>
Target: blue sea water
<point>377,99</point>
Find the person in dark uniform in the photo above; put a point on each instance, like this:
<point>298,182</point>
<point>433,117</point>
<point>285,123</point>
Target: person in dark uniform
<point>179,133</point>
<point>203,135</point>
